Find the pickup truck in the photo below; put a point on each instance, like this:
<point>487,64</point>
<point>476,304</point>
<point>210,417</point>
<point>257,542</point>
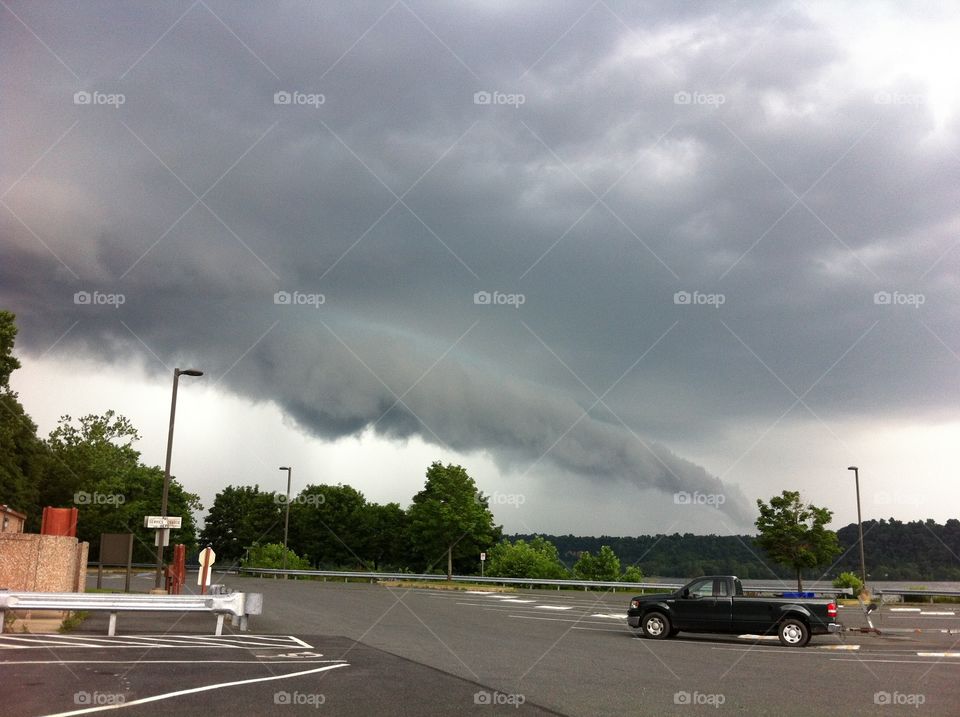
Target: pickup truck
<point>716,603</point>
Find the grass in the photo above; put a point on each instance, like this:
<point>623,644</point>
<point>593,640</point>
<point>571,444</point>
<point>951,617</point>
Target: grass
<point>73,621</point>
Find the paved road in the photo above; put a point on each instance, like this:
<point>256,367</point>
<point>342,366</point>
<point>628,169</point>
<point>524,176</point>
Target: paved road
<point>432,652</point>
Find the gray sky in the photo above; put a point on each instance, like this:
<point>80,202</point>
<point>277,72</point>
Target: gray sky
<point>633,266</point>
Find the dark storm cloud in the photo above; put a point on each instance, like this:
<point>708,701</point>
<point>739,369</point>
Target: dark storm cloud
<point>701,152</point>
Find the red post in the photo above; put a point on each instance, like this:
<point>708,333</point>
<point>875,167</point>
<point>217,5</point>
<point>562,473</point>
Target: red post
<point>177,571</point>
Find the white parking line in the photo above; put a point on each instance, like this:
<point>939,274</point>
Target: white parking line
<point>932,612</point>
<point>938,654</point>
<point>553,607</point>
<point>904,609</point>
<point>514,600</point>
<point>610,616</point>
<point>194,690</point>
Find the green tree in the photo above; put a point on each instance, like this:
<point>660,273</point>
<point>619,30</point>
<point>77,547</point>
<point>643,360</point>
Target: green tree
<point>242,516</point>
<point>22,459</point>
<point>849,580</point>
<point>520,559</point>
<point>795,533</point>
<point>632,574</point>
<point>92,464</point>
<point>387,536</point>
<point>605,566</point>
<point>270,555</point>
<point>450,516</point>
<point>329,525</point>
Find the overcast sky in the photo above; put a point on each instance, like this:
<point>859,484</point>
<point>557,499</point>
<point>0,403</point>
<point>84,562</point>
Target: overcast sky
<point>633,265</point>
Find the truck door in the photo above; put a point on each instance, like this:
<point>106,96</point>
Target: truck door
<point>694,611</point>
<point>720,610</point>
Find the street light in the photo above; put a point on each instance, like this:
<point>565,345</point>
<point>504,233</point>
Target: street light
<point>863,564</point>
<point>286,520</point>
<point>166,471</point>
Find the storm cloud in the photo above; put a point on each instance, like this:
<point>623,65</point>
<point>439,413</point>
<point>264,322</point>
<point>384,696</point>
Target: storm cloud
<point>568,235</point>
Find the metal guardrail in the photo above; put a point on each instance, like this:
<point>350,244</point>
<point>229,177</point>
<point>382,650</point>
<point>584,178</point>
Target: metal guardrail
<point>510,581</point>
<point>458,578</point>
<point>917,593</point>
<point>239,605</point>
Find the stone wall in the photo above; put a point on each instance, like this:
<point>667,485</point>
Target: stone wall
<point>42,563</point>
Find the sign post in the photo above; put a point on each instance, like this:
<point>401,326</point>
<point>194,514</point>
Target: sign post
<point>207,556</point>
<point>483,559</point>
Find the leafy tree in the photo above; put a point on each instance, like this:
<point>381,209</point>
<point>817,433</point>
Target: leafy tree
<point>848,580</point>
<point>632,574</point>
<point>387,536</point>
<point>21,451</point>
<point>795,534</point>
<point>270,555</point>
<point>450,516</point>
<point>240,517</point>
<point>605,566</point>
<point>95,467</point>
<point>536,559</point>
<point>328,525</point>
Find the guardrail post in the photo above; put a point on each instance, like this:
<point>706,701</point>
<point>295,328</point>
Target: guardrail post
<point>220,624</point>
<point>112,627</point>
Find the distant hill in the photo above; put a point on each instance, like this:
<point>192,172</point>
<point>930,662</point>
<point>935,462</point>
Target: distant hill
<point>918,550</point>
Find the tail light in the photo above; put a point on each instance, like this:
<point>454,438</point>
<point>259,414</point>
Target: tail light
<point>832,610</point>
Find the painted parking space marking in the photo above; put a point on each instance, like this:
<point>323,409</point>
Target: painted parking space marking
<point>904,609</point>
<point>179,642</point>
<point>938,654</point>
<point>515,600</point>
<point>610,616</point>
<point>554,607</point>
<point>934,612</point>
<point>758,637</point>
<point>837,647</point>
<point>194,690</point>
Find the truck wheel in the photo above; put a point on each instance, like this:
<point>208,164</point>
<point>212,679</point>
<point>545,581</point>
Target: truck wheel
<point>656,625</point>
<point>793,633</point>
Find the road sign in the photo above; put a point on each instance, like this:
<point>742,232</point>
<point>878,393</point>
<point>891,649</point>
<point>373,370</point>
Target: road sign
<point>483,556</point>
<point>158,521</point>
<point>207,556</point>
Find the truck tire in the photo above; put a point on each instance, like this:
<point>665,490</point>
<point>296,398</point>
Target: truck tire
<point>656,625</point>
<point>793,633</point>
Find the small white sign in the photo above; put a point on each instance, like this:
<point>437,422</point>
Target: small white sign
<point>483,556</point>
<point>207,557</point>
<point>158,521</point>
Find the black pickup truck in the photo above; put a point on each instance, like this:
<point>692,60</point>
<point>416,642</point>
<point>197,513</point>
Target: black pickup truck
<point>716,603</point>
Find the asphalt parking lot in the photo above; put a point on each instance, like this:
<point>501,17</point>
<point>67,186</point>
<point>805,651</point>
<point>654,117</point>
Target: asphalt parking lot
<point>365,649</point>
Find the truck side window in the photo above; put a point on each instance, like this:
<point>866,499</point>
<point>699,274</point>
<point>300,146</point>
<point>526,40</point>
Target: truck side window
<point>738,586</point>
<point>702,588</point>
<point>720,588</point>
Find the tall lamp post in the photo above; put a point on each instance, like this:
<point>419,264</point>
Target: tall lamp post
<point>166,471</point>
<point>286,520</point>
<point>863,564</point>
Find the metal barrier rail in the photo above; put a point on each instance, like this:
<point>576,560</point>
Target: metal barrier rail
<point>918,593</point>
<point>239,605</point>
<point>510,581</point>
